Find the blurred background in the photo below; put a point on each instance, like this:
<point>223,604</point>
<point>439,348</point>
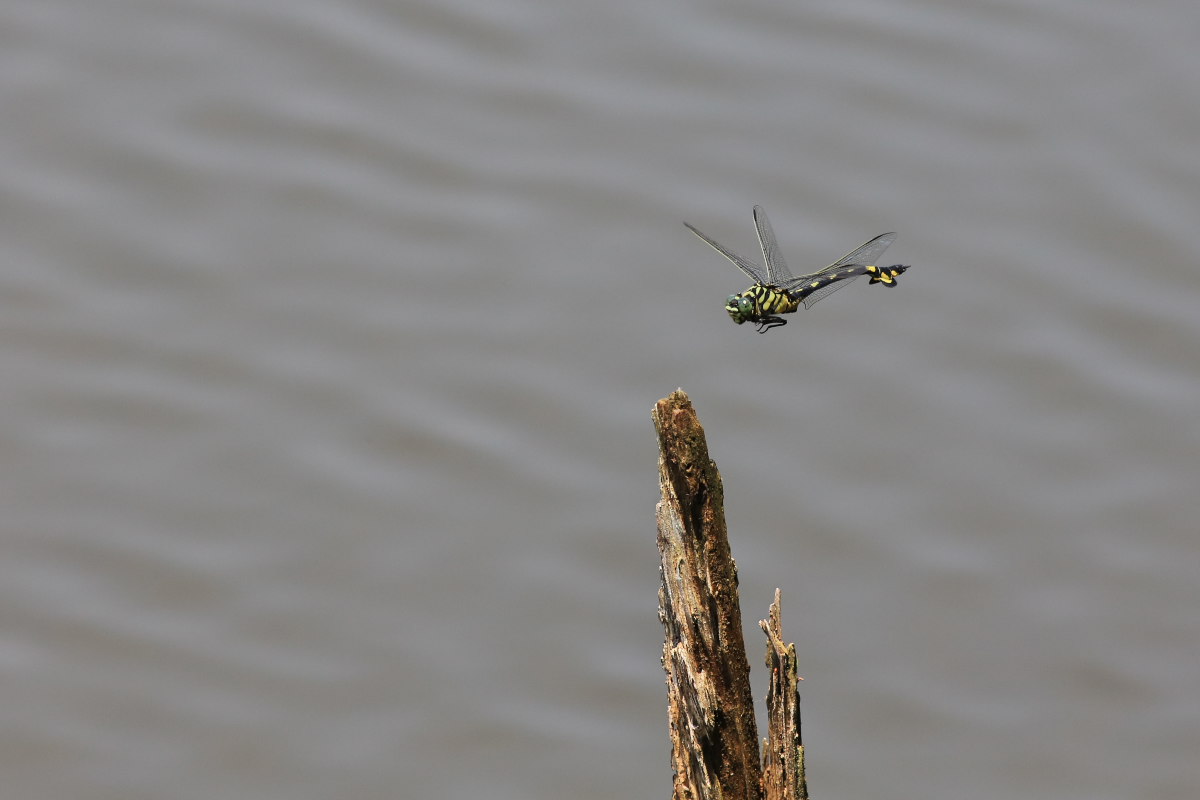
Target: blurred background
<point>330,334</point>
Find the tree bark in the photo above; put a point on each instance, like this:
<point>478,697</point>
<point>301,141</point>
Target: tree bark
<point>714,738</point>
<point>783,751</point>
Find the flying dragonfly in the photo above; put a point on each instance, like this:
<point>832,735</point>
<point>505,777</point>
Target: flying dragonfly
<point>776,291</point>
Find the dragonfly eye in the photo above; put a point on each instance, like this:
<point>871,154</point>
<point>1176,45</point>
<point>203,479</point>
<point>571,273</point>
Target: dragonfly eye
<point>740,308</point>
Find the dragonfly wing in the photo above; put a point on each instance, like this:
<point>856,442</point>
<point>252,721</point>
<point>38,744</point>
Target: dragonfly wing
<point>753,270</point>
<point>848,268</point>
<point>866,254</point>
<point>819,285</point>
<point>811,298</point>
<point>777,269</point>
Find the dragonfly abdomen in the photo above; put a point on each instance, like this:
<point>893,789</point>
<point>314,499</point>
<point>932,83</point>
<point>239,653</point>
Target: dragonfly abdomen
<point>886,275</point>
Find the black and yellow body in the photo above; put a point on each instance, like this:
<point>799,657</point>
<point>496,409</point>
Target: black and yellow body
<point>760,302</point>
<point>776,291</point>
<point>885,275</point>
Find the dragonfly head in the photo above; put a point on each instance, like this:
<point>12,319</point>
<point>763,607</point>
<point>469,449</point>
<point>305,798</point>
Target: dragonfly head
<point>740,307</point>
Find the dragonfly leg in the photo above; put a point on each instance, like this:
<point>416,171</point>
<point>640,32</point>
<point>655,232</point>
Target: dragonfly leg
<point>766,323</point>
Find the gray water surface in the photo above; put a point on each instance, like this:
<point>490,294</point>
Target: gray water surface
<point>331,332</point>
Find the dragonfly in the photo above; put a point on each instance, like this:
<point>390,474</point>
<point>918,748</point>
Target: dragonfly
<point>776,291</point>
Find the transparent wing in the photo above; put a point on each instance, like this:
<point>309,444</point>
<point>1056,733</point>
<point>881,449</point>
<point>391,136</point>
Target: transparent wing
<point>812,297</point>
<point>777,269</point>
<point>853,264</point>
<point>755,272</point>
<point>866,254</point>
